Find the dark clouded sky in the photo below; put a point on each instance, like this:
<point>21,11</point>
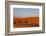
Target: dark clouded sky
<point>25,12</point>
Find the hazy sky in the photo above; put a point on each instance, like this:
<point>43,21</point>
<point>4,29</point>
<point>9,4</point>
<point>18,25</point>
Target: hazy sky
<point>25,12</point>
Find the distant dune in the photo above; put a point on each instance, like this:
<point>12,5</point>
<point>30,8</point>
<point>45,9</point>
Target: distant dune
<point>26,22</point>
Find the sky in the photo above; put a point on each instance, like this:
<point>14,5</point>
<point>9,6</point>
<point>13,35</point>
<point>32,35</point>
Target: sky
<point>25,12</point>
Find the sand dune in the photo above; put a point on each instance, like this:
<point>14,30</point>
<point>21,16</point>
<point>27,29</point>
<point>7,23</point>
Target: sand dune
<point>26,22</point>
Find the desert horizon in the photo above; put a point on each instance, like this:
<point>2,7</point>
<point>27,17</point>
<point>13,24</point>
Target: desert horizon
<point>25,17</point>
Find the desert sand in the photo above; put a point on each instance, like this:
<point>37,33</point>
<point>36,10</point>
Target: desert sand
<point>26,22</point>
